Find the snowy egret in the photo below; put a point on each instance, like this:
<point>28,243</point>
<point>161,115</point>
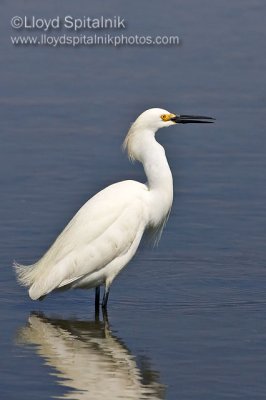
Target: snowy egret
<point>105,233</point>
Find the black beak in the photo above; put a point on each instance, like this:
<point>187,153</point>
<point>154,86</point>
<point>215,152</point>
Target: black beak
<point>192,119</point>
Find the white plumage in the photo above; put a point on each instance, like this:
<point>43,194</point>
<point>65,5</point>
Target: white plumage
<point>105,233</point>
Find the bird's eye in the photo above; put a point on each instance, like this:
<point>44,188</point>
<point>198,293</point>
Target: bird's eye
<point>164,117</point>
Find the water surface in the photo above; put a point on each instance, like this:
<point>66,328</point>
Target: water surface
<point>186,319</point>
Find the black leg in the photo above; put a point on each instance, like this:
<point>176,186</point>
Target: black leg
<point>105,319</point>
<point>105,297</point>
<point>97,297</point>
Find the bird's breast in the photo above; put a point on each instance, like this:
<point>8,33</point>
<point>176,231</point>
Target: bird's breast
<point>160,205</point>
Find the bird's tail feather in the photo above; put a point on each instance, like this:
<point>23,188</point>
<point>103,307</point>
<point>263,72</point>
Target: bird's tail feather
<point>26,274</point>
<point>33,277</point>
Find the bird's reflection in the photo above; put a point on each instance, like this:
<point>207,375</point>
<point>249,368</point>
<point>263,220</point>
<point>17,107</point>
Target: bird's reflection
<point>89,360</point>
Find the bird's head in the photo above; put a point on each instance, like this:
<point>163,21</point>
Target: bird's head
<point>156,118</point>
<point>153,119</point>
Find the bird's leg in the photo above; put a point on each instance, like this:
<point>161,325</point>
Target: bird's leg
<point>97,298</point>
<point>105,321</point>
<point>105,297</point>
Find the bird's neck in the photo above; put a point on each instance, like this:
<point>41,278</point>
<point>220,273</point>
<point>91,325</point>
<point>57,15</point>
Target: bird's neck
<point>160,181</point>
<point>156,166</point>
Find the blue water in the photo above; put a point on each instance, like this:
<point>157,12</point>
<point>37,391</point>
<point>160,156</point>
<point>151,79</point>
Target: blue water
<point>186,319</point>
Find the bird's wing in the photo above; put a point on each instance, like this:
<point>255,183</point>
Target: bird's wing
<point>102,230</point>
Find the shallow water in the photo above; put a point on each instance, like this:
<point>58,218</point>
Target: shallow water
<point>187,319</point>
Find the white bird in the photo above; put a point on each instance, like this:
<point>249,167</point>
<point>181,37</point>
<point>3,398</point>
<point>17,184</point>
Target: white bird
<point>105,233</point>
